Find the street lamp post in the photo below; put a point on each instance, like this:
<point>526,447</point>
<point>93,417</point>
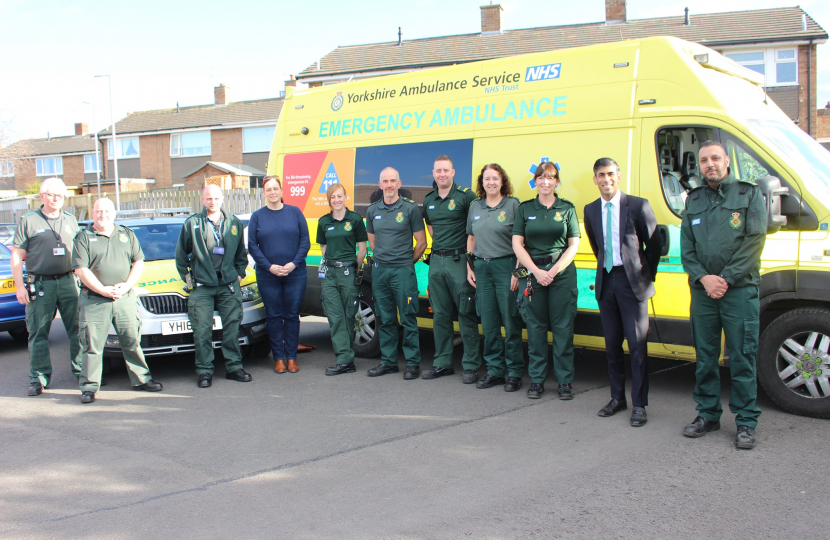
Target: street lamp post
<point>114,147</point>
<point>97,159</point>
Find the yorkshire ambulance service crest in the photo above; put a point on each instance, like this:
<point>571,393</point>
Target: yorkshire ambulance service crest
<point>558,216</point>
<point>735,222</point>
<point>451,206</point>
<point>399,219</point>
<point>502,218</point>
<point>234,230</point>
<point>123,238</point>
<point>337,102</point>
<point>348,226</point>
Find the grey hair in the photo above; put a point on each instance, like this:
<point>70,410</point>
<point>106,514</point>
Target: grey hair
<point>53,182</point>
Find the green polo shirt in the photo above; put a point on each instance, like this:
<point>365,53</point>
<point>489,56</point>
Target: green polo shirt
<point>47,242</point>
<point>213,239</point>
<point>448,216</point>
<point>341,237</point>
<point>109,258</point>
<point>492,227</point>
<point>393,229</point>
<point>546,230</point>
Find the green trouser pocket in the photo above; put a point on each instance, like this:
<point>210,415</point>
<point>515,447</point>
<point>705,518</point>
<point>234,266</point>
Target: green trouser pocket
<point>412,303</point>
<point>692,331</point>
<point>750,345</point>
<point>467,303</point>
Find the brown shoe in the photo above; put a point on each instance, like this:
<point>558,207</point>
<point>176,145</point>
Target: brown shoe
<point>279,367</point>
<point>292,366</point>
<point>305,348</point>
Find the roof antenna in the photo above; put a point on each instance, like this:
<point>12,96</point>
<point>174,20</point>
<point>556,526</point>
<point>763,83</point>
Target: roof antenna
<point>399,37</point>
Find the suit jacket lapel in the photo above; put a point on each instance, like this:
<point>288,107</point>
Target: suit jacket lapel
<point>623,218</point>
<point>596,230</point>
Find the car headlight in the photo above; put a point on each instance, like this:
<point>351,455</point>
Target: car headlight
<point>250,292</point>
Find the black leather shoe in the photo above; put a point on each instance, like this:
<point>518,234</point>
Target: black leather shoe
<point>513,384</point>
<point>638,417</point>
<point>489,381</point>
<point>205,380</point>
<point>340,368</point>
<point>745,438</point>
<point>470,376</point>
<point>536,390</point>
<point>436,372</point>
<point>87,397</point>
<point>382,369</point>
<point>614,406</point>
<point>412,372</point>
<point>700,427</point>
<point>35,388</point>
<point>150,386</point>
<point>240,375</point>
<point>566,392</point>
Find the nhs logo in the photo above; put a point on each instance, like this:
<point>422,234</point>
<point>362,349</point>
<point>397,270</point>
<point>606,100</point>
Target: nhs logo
<point>542,73</point>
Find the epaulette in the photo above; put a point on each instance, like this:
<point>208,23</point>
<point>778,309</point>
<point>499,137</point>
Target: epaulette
<point>462,189</point>
<point>566,201</point>
<point>70,214</point>
<point>430,192</point>
<point>30,213</point>
<point>529,201</point>
<point>745,186</point>
<point>374,203</point>
<point>409,200</point>
<point>512,197</point>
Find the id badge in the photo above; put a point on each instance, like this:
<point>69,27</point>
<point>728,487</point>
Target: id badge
<point>218,250</point>
<point>321,273</point>
<point>59,252</point>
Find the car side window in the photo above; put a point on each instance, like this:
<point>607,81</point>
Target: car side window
<point>744,163</point>
<point>677,157</point>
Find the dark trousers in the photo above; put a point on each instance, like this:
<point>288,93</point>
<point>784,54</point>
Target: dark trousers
<point>283,296</point>
<point>623,316</point>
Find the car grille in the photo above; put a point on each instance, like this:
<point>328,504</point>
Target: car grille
<point>158,340</point>
<point>164,304</point>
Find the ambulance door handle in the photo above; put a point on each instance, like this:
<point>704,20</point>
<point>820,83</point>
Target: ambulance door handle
<point>663,231</point>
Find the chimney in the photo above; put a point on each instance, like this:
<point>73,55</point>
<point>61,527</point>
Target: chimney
<point>491,19</point>
<point>292,81</point>
<point>687,22</point>
<point>80,129</point>
<point>615,12</point>
<point>221,95</point>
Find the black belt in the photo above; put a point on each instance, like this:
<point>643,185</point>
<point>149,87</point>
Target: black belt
<point>493,258</point>
<point>338,264</point>
<point>449,252</point>
<point>542,261</point>
<point>50,278</point>
<point>90,292</point>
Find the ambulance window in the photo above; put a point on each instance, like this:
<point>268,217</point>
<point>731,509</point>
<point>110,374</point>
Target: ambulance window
<point>744,163</point>
<point>677,158</point>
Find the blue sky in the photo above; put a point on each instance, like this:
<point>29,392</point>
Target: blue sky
<point>162,52</point>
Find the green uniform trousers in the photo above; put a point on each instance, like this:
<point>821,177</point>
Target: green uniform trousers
<point>58,295</point>
<point>396,289</point>
<point>552,307</point>
<point>340,306</point>
<point>203,301</point>
<point>448,289</point>
<point>97,314</point>
<point>496,305</point>
<point>737,313</point>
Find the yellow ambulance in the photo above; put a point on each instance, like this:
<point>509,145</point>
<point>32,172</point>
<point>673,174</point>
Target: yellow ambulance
<point>646,103</point>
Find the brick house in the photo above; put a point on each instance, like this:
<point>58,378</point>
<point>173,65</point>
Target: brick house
<point>71,158</point>
<point>823,126</point>
<point>166,145</point>
<point>779,43</point>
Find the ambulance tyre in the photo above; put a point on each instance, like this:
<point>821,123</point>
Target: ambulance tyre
<point>366,342</point>
<point>19,334</point>
<point>794,362</point>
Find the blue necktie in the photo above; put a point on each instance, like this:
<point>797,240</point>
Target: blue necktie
<point>609,238</point>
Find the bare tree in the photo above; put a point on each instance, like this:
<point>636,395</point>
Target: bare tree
<point>19,153</point>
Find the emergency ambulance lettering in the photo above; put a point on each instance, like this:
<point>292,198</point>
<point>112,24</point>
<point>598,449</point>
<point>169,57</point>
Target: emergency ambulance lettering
<point>493,112</point>
<point>466,115</point>
<point>451,117</point>
<point>356,125</point>
<point>408,123</point>
<point>539,108</point>
<point>524,108</point>
<point>481,119</point>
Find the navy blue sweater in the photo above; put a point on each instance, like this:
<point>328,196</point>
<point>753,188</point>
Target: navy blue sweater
<point>278,237</point>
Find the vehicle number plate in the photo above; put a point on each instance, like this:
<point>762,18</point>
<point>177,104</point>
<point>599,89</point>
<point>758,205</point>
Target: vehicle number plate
<point>183,326</point>
<point>7,286</point>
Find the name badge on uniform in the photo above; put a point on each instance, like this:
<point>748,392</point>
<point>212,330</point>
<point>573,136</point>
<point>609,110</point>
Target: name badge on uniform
<point>93,239</point>
<point>696,221</point>
<point>218,250</point>
<point>195,225</point>
<point>378,217</point>
<point>432,207</point>
<point>39,231</point>
<point>59,251</point>
<point>531,217</point>
<point>330,228</point>
<point>476,218</point>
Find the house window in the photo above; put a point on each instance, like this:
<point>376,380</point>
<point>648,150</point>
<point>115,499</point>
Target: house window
<point>90,163</point>
<point>779,66</point>
<point>49,166</point>
<point>6,168</point>
<point>257,139</point>
<point>196,143</point>
<point>127,148</point>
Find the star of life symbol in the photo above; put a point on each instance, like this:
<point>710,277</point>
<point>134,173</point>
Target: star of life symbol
<point>534,166</point>
<point>337,102</point>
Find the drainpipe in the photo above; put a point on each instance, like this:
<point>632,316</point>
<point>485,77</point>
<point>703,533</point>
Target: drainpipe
<point>810,89</point>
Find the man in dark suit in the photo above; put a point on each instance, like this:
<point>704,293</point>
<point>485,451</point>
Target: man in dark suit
<point>623,234</point>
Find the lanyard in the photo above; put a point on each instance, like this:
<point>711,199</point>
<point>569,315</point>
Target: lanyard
<point>216,229</point>
<point>59,220</point>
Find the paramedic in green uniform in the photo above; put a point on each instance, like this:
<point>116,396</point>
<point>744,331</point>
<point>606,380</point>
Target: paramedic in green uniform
<point>391,223</point>
<point>108,260</point>
<point>721,239</point>
<point>45,238</point>
<point>445,214</point>
<point>490,230</point>
<point>545,239</point>
<point>339,232</point>
<point>211,249</point>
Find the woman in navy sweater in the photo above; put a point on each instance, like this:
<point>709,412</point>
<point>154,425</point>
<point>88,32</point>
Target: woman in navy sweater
<point>278,241</point>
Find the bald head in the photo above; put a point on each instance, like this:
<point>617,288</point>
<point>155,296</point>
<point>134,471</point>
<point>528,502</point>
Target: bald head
<point>103,204</point>
<point>212,199</point>
<point>103,213</point>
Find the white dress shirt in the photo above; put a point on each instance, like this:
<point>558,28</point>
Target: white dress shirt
<point>614,212</point>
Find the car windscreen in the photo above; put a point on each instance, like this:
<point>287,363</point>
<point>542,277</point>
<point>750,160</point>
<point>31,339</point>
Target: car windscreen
<point>5,254</point>
<point>7,233</point>
<point>158,240</point>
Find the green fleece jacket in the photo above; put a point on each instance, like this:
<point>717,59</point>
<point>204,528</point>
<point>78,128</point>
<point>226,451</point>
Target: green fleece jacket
<point>192,254</point>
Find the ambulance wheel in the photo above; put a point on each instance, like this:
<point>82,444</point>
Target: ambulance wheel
<point>19,334</point>
<point>366,342</point>
<point>794,362</point>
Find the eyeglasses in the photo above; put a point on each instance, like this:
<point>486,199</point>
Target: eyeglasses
<point>56,196</point>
